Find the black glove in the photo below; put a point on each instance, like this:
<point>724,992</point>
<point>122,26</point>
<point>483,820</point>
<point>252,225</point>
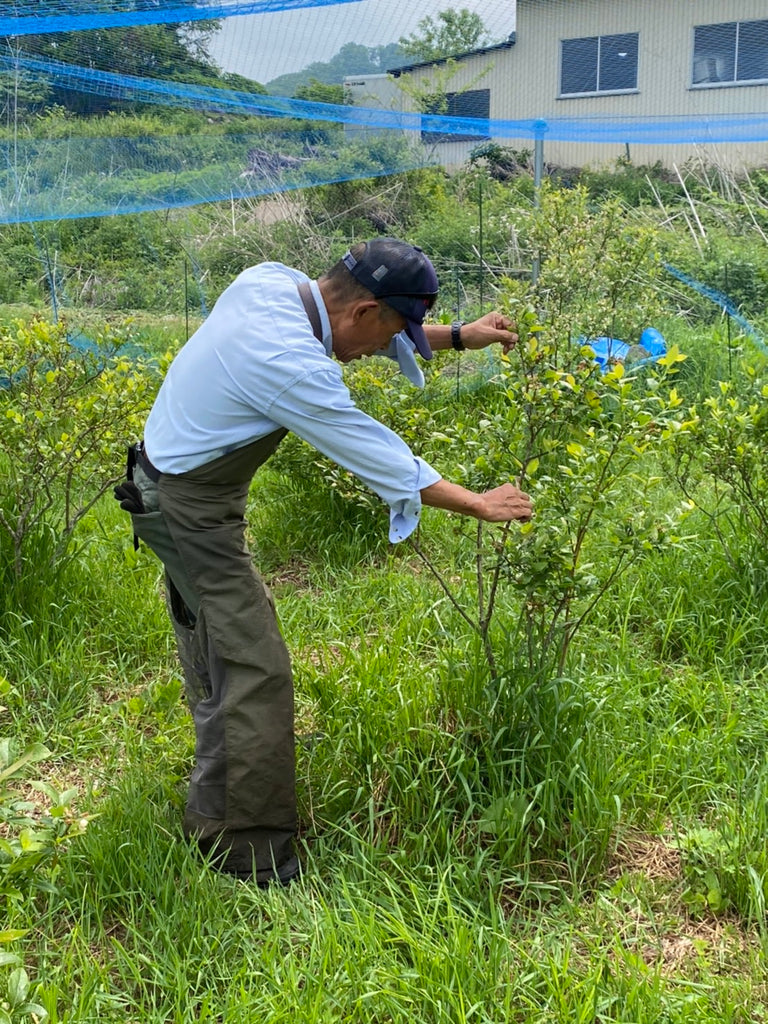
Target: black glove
<point>129,496</point>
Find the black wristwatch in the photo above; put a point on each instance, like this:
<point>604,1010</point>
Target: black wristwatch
<point>456,341</point>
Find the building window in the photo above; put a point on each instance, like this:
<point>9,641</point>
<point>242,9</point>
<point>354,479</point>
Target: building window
<point>472,103</point>
<point>598,64</point>
<point>736,51</point>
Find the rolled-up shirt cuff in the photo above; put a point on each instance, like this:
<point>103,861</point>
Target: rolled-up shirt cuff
<point>404,515</point>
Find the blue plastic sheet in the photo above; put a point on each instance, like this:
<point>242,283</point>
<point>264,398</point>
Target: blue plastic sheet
<point>608,351</point>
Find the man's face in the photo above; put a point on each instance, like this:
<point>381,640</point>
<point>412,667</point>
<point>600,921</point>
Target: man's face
<point>367,327</point>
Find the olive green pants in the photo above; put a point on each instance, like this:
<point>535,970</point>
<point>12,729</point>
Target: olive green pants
<point>238,682</point>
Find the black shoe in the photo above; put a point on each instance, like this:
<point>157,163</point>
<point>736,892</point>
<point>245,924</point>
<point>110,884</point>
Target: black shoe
<point>285,874</point>
<point>222,860</point>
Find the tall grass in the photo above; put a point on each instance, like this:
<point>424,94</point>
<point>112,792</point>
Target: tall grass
<point>589,847</point>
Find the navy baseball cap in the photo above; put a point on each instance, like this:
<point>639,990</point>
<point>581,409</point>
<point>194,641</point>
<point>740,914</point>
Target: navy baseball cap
<point>400,275</point>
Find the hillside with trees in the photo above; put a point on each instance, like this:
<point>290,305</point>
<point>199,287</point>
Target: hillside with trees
<point>351,59</point>
<point>172,51</point>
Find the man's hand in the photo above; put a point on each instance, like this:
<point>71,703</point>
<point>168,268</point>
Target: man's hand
<point>493,327</point>
<point>504,503</point>
<point>498,505</point>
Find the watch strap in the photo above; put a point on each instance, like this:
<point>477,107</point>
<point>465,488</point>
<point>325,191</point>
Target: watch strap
<point>456,341</point>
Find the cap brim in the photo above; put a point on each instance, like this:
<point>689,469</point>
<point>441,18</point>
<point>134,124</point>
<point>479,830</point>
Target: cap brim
<point>416,333</point>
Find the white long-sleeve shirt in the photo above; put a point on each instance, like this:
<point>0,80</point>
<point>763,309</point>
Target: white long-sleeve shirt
<point>254,366</point>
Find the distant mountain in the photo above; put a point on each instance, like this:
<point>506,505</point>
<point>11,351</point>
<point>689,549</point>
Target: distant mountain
<point>352,59</point>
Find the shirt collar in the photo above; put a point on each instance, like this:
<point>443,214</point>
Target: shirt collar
<point>325,321</point>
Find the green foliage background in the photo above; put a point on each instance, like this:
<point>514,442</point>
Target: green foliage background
<point>531,760</point>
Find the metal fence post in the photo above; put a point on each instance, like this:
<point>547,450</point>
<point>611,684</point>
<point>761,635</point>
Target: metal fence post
<point>539,128</point>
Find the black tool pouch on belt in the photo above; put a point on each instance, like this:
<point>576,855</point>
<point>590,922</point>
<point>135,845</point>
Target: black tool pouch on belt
<point>128,494</point>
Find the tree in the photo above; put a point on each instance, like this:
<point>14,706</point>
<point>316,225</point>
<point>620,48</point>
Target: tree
<point>20,89</point>
<point>165,51</point>
<point>65,411</point>
<point>388,57</point>
<point>451,32</point>
<point>351,59</point>
<point>320,92</point>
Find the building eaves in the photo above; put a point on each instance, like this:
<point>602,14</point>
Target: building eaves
<point>405,68</point>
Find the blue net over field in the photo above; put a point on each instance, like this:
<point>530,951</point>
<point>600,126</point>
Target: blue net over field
<point>43,179</point>
<point>39,16</point>
<point>59,179</point>
<point>241,58</point>
<point>725,303</point>
<point>751,127</point>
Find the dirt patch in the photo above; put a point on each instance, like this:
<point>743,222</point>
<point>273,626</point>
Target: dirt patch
<point>61,778</point>
<point>714,943</point>
<point>645,854</point>
<point>295,574</point>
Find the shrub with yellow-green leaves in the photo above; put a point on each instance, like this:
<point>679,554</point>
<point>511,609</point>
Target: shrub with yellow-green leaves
<point>719,459</point>
<point>67,412</point>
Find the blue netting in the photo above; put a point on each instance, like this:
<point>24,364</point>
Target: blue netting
<point>724,302</point>
<point>43,179</point>
<point>751,127</point>
<point>57,179</point>
<point>54,178</point>
<point>32,17</point>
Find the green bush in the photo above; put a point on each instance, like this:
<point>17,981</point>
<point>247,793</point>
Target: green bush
<point>34,832</point>
<point>66,415</point>
<point>635,185</point>
<point>719,459</point>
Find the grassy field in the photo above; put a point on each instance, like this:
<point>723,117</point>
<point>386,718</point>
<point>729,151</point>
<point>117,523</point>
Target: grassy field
<point>532,761</point>
<point>479,845</point>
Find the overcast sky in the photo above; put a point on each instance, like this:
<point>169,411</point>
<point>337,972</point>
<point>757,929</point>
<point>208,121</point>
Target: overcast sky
<point>263,46</point>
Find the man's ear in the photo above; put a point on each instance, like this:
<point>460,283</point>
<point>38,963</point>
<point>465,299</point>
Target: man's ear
<point>363,309</point>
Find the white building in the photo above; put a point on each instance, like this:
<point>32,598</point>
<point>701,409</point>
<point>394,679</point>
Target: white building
<point>658,80</point>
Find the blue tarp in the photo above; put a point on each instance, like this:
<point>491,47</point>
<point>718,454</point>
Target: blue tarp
<point>611,350</point>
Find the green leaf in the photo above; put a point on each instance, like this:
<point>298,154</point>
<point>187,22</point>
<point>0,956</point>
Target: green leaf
<point>715,899</point>
<point>37,752</point>
<point>672,356</point>
<point>31,841</point>
<point>18,986</point>
<point>36,1010</point>
<point>47,789</point>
